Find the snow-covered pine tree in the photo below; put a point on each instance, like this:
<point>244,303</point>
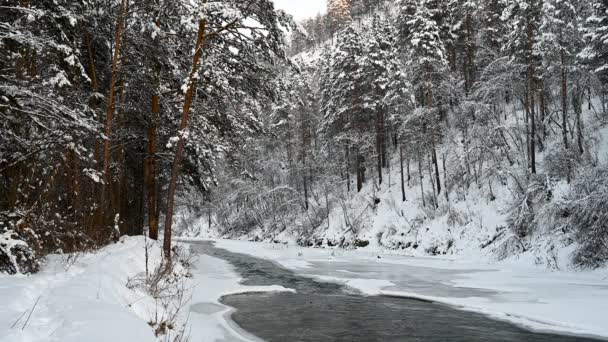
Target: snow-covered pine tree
<point>558,44</point>
<point>345,117</point>
<point>596,33</point>
<point>426,56</point>
<point>339,14</point>
<point>45,124</point>
<point>523,19</point>
<point>379,63</point>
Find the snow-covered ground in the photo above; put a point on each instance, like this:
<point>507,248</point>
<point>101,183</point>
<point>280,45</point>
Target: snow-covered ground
<point>87,299</point>
<point>535,297</point>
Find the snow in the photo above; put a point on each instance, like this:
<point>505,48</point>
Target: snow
<point>88,300</point>
<point>78,302</point>
<point>573,302</point>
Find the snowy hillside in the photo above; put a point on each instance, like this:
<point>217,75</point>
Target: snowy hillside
<point>380,106</point>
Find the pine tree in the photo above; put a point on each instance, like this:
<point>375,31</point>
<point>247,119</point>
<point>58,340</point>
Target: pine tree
<point>345,117</point>
<point>524,18</point>
<point>379,65</point>
<point>339,14</point>
<point>560,40</point>
<point>596,52</point>
<point>428,60</point>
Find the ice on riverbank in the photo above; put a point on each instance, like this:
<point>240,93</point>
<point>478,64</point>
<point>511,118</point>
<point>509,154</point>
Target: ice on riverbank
<point>537,298</point>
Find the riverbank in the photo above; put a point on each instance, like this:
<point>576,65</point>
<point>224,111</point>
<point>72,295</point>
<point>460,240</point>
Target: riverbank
<point>97,297</point>
<point>81,297</point>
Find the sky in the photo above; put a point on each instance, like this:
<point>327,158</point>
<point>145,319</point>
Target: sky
<point>302,9</point>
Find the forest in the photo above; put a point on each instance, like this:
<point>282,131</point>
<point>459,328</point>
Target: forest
<point>432,127</point>
<point>377,123</point>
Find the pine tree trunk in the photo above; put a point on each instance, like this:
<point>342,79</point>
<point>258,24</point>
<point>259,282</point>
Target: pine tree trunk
<point>347,168</point>
<point>68,178</point>
<point>76,186</point>
<point>433,151</point>
<point>429,161</point>
<point>527,124</point>
<point>532,85</point>
<point>379,130</point>
<point>445,180</point>
<point>564,75</point>
<point>90,62</point>
<point>151,171</point>
<point>469,69</point>
<point>110,110</point>
<point>379,159</point>
<point>383,134</point>
<point>94,87</point>
<point>436,164</point>
<point>180,144</point>
<point>402,176</point>
<point>409,174</point>
<point>578,109</point>
<point>541,96</point>
<point>360,175</point>
<point>119,185</point>
<point>421,175</point>
<point>305,184</point>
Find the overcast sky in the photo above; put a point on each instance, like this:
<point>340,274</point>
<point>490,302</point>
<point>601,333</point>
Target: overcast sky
<point>302,9</point>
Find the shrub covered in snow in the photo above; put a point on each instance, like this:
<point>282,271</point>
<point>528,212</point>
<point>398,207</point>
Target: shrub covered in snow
<point>586,212</point>
<point>16,255</point>
<point>579,213</point>
<point>526,203</point>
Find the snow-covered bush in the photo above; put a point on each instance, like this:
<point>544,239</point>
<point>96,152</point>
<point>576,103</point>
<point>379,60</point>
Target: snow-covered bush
<point>511,245</point>
<point>537,192</point>
<point>560,162</point>
<point>17,255</point>
<point>586,213</point>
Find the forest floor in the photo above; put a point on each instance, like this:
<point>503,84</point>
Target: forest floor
<point>540,299</point>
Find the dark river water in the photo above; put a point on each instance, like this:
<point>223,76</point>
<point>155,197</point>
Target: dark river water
<point>330,312</point>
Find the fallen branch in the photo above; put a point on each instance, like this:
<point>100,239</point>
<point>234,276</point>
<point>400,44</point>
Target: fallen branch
<point>30,315</point>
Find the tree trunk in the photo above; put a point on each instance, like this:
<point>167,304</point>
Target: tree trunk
<point>76,185</point>
<point>180,144</point>
<point>527,124</point>
<point>469,69</point>
<point>409,174</point>
<point>110,110</point>
<point>119,185</point>
<point>151,171</point>
<point>532,85</point>
<point>360,172</point>
<point>91,63</point>
<point>379,144</point>
<point>436,164</point>
<point>402,176</point>
<point>421,178</point>
<point>445,180</point>
<point>69,182</point>
<point>430,161</point>
<point>543,128</point>
<point>347,168</point>
<point>305,184</point>
<point>578,109</point>
<point>564,75</point>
